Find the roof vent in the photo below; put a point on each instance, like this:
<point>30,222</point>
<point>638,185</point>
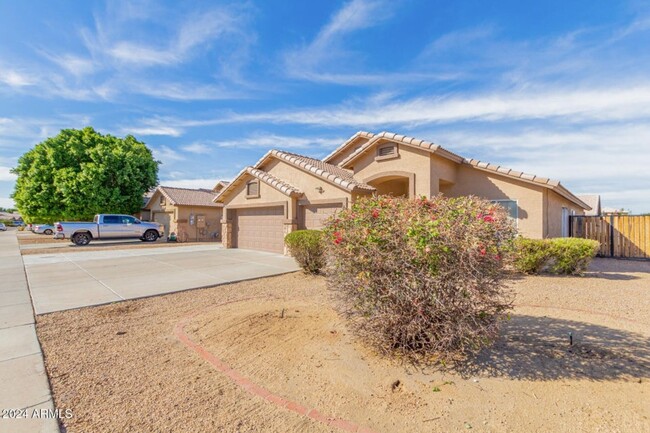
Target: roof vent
<point>386,150</point>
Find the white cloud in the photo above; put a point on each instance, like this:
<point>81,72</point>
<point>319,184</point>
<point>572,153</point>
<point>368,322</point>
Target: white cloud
<point>75,65</point>
<point>458,39</point>
<point>146,56</point>
<point>268,141</point>
<point>166,154</point>
<point>190,183</point>
<point>198,29</point>
<point>569,105</point>
<point>198,148</point>
<point>6,175</point>
<point>308,62</point>
<point>185,91</point>
<point>7,202</point>
<point>153,129</point>
<point>16,79</point>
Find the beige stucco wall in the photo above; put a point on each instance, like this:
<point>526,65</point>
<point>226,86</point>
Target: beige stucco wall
<point>309,184</point>
<point>553,215</point>
<point>180,215</point>
<point>530,198</point>
<point>268,194</point>
<point>410,160</point>
<point>212,221</point>
<point>156,207</point>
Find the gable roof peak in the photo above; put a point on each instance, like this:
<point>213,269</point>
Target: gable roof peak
<point>348,142</point>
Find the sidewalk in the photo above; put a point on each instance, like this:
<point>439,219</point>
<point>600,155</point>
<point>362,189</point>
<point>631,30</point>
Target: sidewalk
<point>25,388</point>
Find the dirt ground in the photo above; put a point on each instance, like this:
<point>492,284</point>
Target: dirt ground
<point>29,238</point>
<point>123,368</point>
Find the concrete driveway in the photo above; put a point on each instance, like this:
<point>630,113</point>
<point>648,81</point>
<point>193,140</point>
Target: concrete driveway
<point>71,280</point>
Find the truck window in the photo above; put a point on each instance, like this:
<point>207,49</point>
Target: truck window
<point>127,219</point>
<point>111,219</point>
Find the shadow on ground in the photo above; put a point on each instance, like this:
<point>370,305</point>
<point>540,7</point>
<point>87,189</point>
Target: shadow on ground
<point>538,348</point>
<point>612,265</point>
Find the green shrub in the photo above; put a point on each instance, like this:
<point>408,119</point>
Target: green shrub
<point>306,247</point>
<point>421,277</point>
<point>531,255</point>
<point>570,256</point>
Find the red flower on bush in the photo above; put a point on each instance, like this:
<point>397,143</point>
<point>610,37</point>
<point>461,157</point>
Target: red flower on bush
<point>482,251</point>
<point>337,237</point>
<point>488,218</point>
<point>375,213</point>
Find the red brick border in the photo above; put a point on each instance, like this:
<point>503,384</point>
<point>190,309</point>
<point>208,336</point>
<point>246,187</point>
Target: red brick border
<point>258,390</point>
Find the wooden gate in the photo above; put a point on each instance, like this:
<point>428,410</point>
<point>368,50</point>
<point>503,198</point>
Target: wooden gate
<point>619,235</point>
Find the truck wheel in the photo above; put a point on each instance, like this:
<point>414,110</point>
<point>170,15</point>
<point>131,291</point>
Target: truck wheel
<point>150,236</point>
<point>48,232</point>
<point>81,239</point>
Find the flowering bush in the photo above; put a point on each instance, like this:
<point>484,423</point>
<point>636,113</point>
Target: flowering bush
<point>421,277</point>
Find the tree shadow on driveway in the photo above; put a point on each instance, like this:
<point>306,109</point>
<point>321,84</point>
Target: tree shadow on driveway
<point>538,348</point>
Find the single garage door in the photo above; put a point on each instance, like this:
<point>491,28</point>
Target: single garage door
<point>163,218</point>
<point>313,216</point>
<point>259,229</point>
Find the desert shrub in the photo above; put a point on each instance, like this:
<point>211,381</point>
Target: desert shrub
<point>569,256</point>
<point>531,255</point>
<point>572,255</point>
<point>306,246</point>
<point>421,277</point>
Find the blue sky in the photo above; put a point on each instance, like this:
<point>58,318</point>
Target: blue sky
<point>555,88</point>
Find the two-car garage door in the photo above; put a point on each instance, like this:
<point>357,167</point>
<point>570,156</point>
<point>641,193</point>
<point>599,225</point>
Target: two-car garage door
<point>262,228</point>
<point>259,228</point>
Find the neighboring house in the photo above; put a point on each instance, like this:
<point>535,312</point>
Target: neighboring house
<point>8,216</point>
<point>191,214</point>
<point>284,191</point>
<point>593,200</point>
<point>145,214</point>
<point>220,185</point>
<point>612,211</point>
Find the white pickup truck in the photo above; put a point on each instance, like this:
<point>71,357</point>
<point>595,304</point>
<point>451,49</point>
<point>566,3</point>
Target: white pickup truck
<point>108,226</point>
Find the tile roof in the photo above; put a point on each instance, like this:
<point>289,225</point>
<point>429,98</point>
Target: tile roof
<point>555,185</point>
<point>187,197</point>
<point>220,185</point>
<point>329,172</point>
<point>439,150</point>
<point>263,176</point>
<point>342,147</point>
<point>401,139</point>
<point>273,181</point>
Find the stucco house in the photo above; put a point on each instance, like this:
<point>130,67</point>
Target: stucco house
<point>285,191</point>
<point>191,214</point>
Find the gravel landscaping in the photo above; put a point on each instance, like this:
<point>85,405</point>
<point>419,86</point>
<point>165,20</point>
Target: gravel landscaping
<point>272,355</point>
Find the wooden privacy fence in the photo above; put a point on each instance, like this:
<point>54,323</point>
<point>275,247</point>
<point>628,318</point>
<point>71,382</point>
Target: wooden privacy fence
<point>619,235</point>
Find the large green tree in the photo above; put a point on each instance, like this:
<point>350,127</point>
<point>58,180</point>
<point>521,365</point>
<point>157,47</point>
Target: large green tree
<point>80,173</point>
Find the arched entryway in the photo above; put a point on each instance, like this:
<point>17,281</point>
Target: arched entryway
<point>395,183</point>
